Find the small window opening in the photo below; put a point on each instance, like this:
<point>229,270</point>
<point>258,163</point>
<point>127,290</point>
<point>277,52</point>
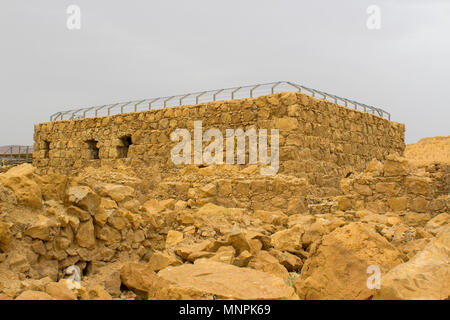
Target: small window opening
<point>93,149</point>
<point>46,149</point>
<point>126,142</point>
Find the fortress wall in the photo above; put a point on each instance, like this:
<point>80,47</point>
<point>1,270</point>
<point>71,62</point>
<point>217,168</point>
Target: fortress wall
<point>319,140</point>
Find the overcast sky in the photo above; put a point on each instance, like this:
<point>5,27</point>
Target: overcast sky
<point>128,50</point>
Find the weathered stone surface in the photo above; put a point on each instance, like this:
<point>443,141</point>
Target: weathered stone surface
<point>60,291</point>
<point>140,278</point>
<point>85,235</point>
<point>338,263</point>
<point>419,204</point>
<point>108,234</point>
<point>173,237</point>
<point>5,236</point>
<point>398,204</point>
<point>289,261</point>
<point>375,168</point>
<point>396,166</point>
<point>289,240</point>
<point>438,223</point>
<point>21,180</point>
<point>52,186</point>
<point>85,198</point>
<point>239,241</point>
<point>225,255</point>
<point>425,277</point>
<point>272,217</point>
<point>81,214</point>
<point>44,228</point>
<point>418,185</point>
<point>116,192</point>
<point>34,295</point>
<point>362,189</point>
<point>96,293</point>
<point>159,261</point>
<point>264,261</point>
<point>207,279</point>
<point>106,208</point>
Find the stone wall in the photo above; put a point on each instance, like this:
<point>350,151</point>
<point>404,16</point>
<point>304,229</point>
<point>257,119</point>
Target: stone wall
<point>319,140</point>
<point>396,186</point>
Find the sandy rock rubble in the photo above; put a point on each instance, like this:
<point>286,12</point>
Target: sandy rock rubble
<point>129,243</point>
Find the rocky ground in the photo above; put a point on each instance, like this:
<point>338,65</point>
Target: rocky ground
<point>434,149</point>
<point>132,244</point>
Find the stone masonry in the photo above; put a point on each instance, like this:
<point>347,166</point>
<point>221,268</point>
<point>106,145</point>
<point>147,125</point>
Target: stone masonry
<point>319,141</point>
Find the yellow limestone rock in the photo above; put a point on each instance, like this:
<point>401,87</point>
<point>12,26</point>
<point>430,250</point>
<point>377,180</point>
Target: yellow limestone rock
<point>207,279</point>
<point>337,266</point>
<point>34,295</point>
<point>21,180</point>
<point>173,237</point>
<point>84,197</point>
<point>60,291</point>
<point>425,277</point>
<point>288,240</point>
<point>43,229</point>
<point>159,261</point>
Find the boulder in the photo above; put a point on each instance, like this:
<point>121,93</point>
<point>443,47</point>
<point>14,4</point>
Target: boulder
<point>438,223</point>
<point>173,237</point>
<point>185,251</point>
<point>81,214</point>
<point>288,240</point>
<point>264,261</point>
<point>159,261</point>
<point>207,279</point>
<point>96,293</point>
<point>291,262</point>
<point>271,217</point>
<point>243,259</point>
<point>225,255</point>
<point>424,277</point>
<point>60,291</point>
<point>34,295</point>
<point>116,192</point>
<point>86,235</point>
<point>53,186</point>
<point>108,234</point>
<point>106,208</point>
<point>139,278</point>
<point>238,240</point>
<point>337,266</point>
<point>84,197</point>
<point>44,228</point>
<point>21,180</point>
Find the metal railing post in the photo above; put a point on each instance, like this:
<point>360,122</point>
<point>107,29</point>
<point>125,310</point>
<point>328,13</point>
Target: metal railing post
<point>269,87</point>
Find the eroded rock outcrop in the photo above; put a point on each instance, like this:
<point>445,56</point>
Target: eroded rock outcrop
<point>426,276</point>
<point>337,266</point>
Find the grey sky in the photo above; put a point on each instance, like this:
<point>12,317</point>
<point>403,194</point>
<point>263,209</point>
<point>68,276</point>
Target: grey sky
<point>134,49</point>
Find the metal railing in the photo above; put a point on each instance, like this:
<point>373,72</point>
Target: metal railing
<point>17,155</point>
<point>251,91</point>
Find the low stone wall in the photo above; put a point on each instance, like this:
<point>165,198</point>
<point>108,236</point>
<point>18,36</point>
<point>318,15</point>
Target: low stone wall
<point>318,140</point>
<point>228,187</point>
<point>396,186</point>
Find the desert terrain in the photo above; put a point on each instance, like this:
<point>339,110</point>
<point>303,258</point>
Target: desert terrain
<point>99,234</point>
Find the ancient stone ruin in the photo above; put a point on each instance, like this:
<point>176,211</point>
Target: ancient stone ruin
<point>104,213</point>
<point>320,141</point>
